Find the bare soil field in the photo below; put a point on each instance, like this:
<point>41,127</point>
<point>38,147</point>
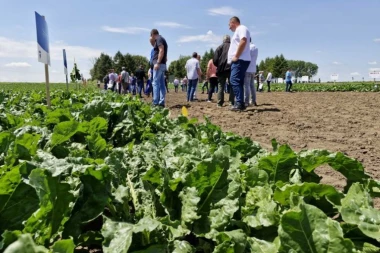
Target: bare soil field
<point>341,121</point>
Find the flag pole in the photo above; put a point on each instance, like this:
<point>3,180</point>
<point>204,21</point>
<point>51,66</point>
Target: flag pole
<point>47,82</point>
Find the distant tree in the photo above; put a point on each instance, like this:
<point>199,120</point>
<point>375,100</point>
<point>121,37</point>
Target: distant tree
<point>101,67</point>
<point>177,67</point>
<point>118,62</point>
<point>311,69</point>
<point>104,63</point>
<point>140,61</point>
<point>277,67</point>
<point>130,64</point>
<point>208,55</point>
<point>283,66</point>
<point>262,67</point>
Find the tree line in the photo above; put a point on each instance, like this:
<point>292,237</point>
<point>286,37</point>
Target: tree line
<point>278,66</point>
<point>104,63</point>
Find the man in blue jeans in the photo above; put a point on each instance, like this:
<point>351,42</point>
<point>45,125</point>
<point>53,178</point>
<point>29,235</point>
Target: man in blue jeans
<point>288,79</point>
<point>239,57</point>
<point>159,68</point>
<point>193,71</point>
<point>140,76</point>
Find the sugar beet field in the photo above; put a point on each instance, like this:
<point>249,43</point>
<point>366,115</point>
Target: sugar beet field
<point>101,172</point>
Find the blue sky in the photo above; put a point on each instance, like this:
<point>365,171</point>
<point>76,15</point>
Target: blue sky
<point>341,36</point>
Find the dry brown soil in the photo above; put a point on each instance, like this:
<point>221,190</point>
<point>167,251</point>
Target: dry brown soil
<point>346,121</point>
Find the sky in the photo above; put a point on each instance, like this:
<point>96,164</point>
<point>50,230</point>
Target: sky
<point>341,36</point>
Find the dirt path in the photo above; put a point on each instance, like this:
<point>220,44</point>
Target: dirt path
<point>346,122</point>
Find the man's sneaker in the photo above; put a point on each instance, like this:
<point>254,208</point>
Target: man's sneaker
<point>208,101</point>
<point>236,109</point>
<point>246,104</point>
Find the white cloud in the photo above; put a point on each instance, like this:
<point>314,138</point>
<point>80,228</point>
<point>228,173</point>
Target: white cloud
<point>213,45</point>
<point>10,48</point>
<point>224,10</point>
<point>274,24</point>
<point>208,37</point>
<point>377,40</point>
<point>127,30</point>
<point>374,69</point>
<point>318,51</point>
<point>336,63</point>
<point>17,65</point>
<point>256,33</point>
<point>372,63</point>
<point>171,25</point>
<point>355,74</point>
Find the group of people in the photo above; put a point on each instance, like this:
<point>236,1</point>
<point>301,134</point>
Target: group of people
<point>124,82</point>
<point>235,61</point>
<point>233,66</point>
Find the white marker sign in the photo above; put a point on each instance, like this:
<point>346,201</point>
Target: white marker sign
<point>280,80</point>
<point>305,79</point>
<point>42,39</point>
<point>334,77</point>
<point>374,74</point>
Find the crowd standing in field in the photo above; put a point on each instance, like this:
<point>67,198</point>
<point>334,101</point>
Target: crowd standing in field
<point>232,70</point>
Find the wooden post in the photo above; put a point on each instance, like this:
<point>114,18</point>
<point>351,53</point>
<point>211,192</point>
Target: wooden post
<point>47,86</point>
<point>67,83</point>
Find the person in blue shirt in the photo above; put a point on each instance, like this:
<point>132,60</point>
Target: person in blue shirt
<point>288,79</point>
<point>133,84</point>
<point>151,65</point>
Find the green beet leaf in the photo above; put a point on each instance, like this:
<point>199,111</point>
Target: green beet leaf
<point>231,242</point>
<point>98,125</point>
<point>8,238</point>
<point>153,249</point>
<point>25,244</point>
<point>279,164</point>
<point>217,190</point>
<point>357,209</point>
<point>56,203</point>
<point>117,236</point>
<point>6,139</point>
<point>261,246</point>
<point>63,132</point>
<point>260,210</point>
<point>190,200</point>
<point>350,168</point>
<point>57,116</point>
<point>316,191</point>
<point>374,188</point>
<point>97,146</point>
<point>92,200</point>
<point>306,228</point>
<point>183,247</point>
<point>18,200</point>
<point>26,145</point>
<point>63,246</point>
<point>364,247</point>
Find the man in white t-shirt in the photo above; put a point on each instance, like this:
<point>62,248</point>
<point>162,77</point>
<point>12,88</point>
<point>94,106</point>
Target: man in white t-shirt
<point>199,80</point>
<point>269,80</point>
<point>125,80</point>
<point>239,57</point>
<point>249,79</point>
<point>176,84</point>
<point>194,72</point>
